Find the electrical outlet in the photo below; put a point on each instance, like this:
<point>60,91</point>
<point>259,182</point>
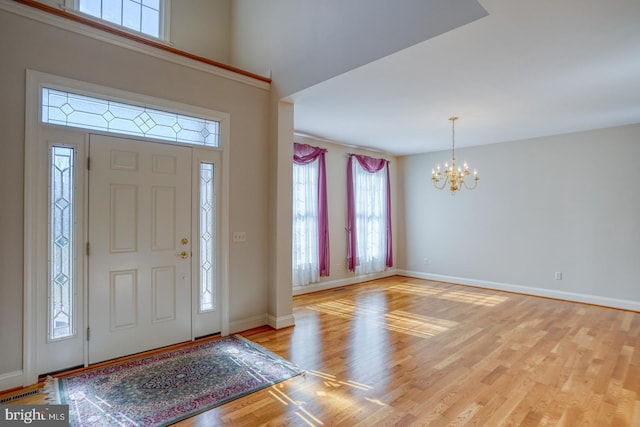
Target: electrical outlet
<point>558,275</point>
<point>239,236</point>
<point>426,261</point>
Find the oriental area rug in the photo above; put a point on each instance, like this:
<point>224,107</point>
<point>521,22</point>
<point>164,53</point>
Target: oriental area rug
<point>166,387</point>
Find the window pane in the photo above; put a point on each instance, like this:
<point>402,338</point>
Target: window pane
<point>150,22</point>
<point>153,4</point>
<point>74,110</point>
<point>131,14</point>
<point>207,238</point>
<point>112,11</point>
<point>90,7</point>
<point>61,243</point>
<point>141,16</point>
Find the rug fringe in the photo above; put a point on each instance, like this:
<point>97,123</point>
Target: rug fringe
<point>51,391</point>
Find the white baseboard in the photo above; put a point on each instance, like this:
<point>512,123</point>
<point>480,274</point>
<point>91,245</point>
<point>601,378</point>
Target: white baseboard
<point>541,292</point>
<point>281,322</point>
<point>262,320</point>
<point>11,380</point>
<point>246,324</point>
<point>331,284</point>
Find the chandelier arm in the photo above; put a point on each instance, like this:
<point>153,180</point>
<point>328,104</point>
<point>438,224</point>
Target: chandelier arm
<point>444,183</point>
<point>475,184</point>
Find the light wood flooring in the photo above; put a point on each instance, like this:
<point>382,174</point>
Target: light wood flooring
<point>402,351</point>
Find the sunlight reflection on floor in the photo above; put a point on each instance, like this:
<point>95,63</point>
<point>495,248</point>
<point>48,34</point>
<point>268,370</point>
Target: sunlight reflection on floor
<point>369,313</point>
<point>416,324</point>
<point>331,387</point>
<point>397,320</point>
<point>470,297</point>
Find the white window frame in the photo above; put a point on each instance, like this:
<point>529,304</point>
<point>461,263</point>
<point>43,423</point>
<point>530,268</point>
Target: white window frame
<point>35,200</point>
<point>75,229</point>
<point>164,21</point>
<point>208,249</point>
<point>372,258</point>
<point>307,269</point>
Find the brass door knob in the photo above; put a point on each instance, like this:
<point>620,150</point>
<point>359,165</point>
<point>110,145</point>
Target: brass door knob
<point>183,255</point>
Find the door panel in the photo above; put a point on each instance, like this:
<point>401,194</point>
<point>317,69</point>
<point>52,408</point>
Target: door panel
<point>123,218</point>
<point>123,293</point>
<point>139,269</point>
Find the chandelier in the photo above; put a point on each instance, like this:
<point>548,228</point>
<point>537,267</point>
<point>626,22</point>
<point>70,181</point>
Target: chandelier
<point>453,175</point>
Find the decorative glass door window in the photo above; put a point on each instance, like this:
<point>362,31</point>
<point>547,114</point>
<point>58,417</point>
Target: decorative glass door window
<point>85,112</point>
<point>207,238</point>
<point>62,243</point>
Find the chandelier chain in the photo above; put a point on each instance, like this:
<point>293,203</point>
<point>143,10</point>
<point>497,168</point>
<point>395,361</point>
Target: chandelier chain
<point>453,136</point>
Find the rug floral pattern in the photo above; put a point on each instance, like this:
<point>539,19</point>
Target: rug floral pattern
<point>161,389</point>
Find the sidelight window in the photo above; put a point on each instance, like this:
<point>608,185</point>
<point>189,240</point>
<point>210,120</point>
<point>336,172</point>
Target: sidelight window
<point>61,243</point>
<point>207,238</point>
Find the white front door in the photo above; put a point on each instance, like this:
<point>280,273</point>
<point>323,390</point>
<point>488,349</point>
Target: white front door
<point>140,243</point>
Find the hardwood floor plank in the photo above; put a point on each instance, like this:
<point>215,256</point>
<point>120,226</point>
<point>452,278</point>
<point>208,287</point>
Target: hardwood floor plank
<point>403,351</point>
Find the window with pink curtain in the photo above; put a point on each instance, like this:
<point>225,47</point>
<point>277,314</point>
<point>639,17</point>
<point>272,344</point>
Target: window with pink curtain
<point>310,237</point>
<point>368,214</point>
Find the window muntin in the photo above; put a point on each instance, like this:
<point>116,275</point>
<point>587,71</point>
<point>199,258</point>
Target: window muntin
<point>143,16</point>
<point>86,112</point>
<point>61,243</point>
<point>207,238</point>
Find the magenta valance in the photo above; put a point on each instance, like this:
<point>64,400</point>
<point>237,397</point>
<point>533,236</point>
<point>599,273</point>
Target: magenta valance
<point>370,164</point>
<point>304,154</point>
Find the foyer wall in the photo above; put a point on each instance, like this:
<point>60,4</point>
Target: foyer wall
<point>29,44</point>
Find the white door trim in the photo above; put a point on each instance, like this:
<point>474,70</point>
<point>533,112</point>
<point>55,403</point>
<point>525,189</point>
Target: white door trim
<point>35,184</point>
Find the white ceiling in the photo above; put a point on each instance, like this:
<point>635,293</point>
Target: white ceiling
<point>528,69</point>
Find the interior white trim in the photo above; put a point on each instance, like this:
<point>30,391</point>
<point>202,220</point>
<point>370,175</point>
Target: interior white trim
<point>528,290</point>
<point>66,24</point>
<point>331,284</point>
<point>281,322</point>
<point>248,323</point>
<point>11,380</point>
<point>34,193</point>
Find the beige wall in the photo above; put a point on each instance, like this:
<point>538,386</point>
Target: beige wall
<point>202,27</point>
<point>27,44</point>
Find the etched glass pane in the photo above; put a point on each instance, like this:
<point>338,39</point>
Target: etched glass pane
<point>141,16</point>
<point>61,243</point>
<point>207,238</point>
<point>85,112</point>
